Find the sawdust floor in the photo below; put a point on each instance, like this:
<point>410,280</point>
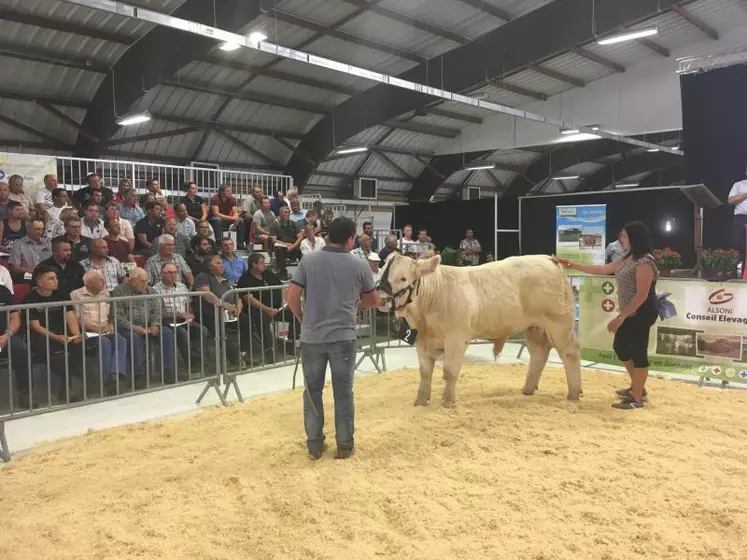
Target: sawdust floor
<point>500,476</point>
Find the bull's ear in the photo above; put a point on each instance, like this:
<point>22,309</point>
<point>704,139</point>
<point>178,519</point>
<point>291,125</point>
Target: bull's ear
<point>426,266</point>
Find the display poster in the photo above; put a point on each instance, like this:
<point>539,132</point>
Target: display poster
<point>706,338</point>
<point>31,167</point>
<point>581,232</point>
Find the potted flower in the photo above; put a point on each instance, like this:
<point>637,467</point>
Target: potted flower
<point>667,260</point>
<point>719,264</point>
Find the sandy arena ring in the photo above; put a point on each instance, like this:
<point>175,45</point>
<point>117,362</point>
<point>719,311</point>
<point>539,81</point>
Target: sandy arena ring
<point>501,476</point>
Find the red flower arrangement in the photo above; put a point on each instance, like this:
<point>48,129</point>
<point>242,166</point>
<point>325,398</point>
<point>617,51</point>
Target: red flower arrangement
<point>667,259</point>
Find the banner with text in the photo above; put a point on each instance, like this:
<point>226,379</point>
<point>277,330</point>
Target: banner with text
<point>707,337</point>
<point>580,233</point>
<point>31,167</point>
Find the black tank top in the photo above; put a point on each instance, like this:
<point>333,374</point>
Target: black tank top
<point>10,236</point>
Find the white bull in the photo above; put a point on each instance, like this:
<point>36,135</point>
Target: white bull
<point>451,306</point>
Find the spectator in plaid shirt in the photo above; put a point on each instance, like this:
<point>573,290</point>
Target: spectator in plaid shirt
<point>166,254</point>
<point>111,268</point>
<point>139,321</point>
<point>470,248</point>
<point>129,210</point>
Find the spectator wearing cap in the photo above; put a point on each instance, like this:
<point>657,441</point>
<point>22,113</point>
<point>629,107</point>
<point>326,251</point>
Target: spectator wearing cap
<point>97,318</point>
<point>113,271</point>
<point>59,203</point>
<point>93,225</point>
<point>374,262</point>
<point>119,246</point>
<point>126,231</point>
<point>81,245</point>
<point>368,230</point>
<point>129,209</point>
<point>148,229</point>
<point>28,252</point>
<point>167,255</point>
<point>69,273</point>
<point>85,195</point>
<point>15,182</point>
<point>43,196</point>
<point>139,320</point>
<point>311,241</point>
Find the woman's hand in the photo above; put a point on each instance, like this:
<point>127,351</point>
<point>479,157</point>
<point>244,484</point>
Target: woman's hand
<point>614,324</point>
<point>565,263</point>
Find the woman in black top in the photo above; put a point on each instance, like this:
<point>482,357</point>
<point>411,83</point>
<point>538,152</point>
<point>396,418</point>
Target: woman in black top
<point>196,205</point>
<point>54,326</point>
<point>13,228</point>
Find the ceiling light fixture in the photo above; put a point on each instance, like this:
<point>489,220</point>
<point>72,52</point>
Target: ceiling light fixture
<point>479,167</point>
<point>570,131</point>
<point>228,47</point>
<point>257,37</point>
<point>676,148</point>
<point>351,150</point>
<point>628,36</point>
<point>653,150</point>
<point>136,118</point>
<point>625,185</point>
<point>566,177</point>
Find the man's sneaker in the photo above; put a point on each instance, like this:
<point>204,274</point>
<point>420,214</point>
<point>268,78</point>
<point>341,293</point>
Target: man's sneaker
<point>628,393</point>
<point>628,404</point>
<point>345,452</point>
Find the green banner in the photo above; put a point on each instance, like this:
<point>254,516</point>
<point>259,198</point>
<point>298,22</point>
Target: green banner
<point>707,337</point>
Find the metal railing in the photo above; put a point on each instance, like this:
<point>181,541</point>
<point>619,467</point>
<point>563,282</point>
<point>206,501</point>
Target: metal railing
<point>72,172</point>
<point>61,356</point>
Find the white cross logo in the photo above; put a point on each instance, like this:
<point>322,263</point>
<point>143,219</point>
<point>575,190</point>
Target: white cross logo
<point>608,305</point>
<point>608,288</point>
<point>743,374</point>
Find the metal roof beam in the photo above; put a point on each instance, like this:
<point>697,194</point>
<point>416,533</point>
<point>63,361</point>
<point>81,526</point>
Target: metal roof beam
<point>254,97</point>
<point>279,75</point>
<point>336,175</point>
<point>54,111</point>
<point>208,125</point>
<point>493,179</point>
<point>343,35</point>
<point>226,165</point>
<point>153,136</point>
<point>46,56</point>
<point>43,135</point>
<point>10,143</point>
<point>391,164</point>
<point>633,165</point>
<point>156,55</point>
<point>61,101</point>
<point>423,111</point>
<point>488,8</point>
<point>247,148</point>
<point>653,46</point>
<point>594,57</point>
<point>283,142</point>
<point>696,21</point>
<point>421,128</point>
<point>503,84</point>
<point>66,26</point>
<point>409,21</point>
<point>555,75</point>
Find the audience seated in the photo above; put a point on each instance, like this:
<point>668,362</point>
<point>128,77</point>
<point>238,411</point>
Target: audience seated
<point>391,247</point>
<point>148,229</point>
<point>13,227</point>
<point>97,323</point>
<point>15,182</point>
<point>81,245</point>
<point>263,221</point>
<point>199,255</point>
<point>311,242</point>
<point>129,209</point>
<point>6,279</point>
<point>287,240</point>
<point>58,204</point>
<point>197,208</point>
<point>4,199</point>
<point>55,227</point>
<point>297,214</point>
<point>28,252</point>
<point>54,336</point>
<point>166,255</point>
<point>250,206</point>
<point>119,247</point>
<point>139,321</point>
<point>191,337</point>
<point>233,265</point>
<point>112,270</point>
<point>369,231</point>
<point>92,225</point>
<point>185,229</point>
<point>85,195</point>
<point>125,228</point>
<point>365,248</point>
<point>69,272</point>
<point>224,214</point>
<point>13,347</point>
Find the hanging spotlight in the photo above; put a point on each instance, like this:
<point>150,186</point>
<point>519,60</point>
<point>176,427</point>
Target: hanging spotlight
<point>135,118</point>
<point>628,36</point>
<point>480,166</point>
<point>351,150</point>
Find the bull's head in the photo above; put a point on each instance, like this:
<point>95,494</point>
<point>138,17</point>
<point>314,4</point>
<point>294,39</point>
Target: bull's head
<point>400,278</point>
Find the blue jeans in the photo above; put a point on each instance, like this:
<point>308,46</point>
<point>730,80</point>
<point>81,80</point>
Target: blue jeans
<point>341,359</point>
<point>113,355</point>
<point>137,347</point>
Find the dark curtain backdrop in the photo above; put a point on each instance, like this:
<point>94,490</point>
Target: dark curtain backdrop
<point>714,116</point>
<point>446,221</point>
<point>654,208</point>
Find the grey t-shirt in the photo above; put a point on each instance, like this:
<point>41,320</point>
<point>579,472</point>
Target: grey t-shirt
<point>264,219</point>
<point>333,281</point>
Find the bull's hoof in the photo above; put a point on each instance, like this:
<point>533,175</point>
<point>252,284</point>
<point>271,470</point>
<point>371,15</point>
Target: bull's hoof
<point>420,401</point>
<point>572,397</point>
<point>448,404</point>
<point>528,392</point>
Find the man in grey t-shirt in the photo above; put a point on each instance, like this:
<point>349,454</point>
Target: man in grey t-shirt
<point>335,285</point>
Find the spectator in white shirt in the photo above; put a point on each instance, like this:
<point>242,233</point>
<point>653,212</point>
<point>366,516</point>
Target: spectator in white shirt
<point>6,279</point>
<point>44,196</point>
<point>298,214</point>
<point>311,242</point>
<point>364,250</point>
<point>92,226</point>
<point>59,203</point>
<point>407,245</point>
